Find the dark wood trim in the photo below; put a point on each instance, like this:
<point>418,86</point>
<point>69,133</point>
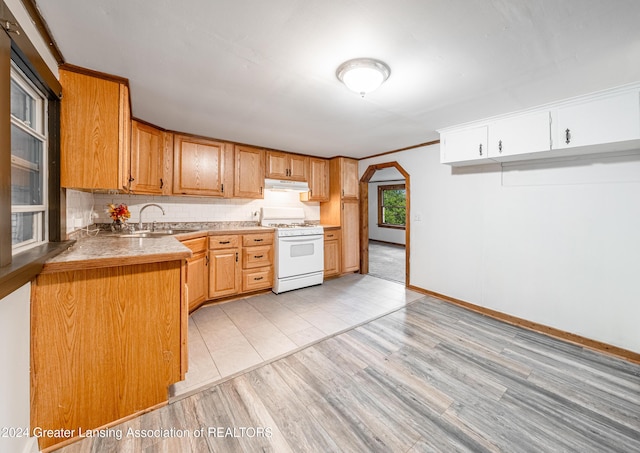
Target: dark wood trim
<point>55,208</point>
<point>26,265</point>
<point>364,216</point>
<point>5,148</point>
<point>387,242</point>
<point>32,60</point>
<point>382,188</point>
<point>622,353</point>
<point>43,29</point>
<point>93,73</point>
<point>432,142</point>
<point>391,227</point>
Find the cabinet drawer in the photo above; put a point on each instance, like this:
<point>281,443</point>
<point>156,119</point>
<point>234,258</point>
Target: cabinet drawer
<point>224,241</point>
<point>196,245</point>
<point>259,256</point>
<point>249,240</point>
<point>255,279</point>
<point>331,235</point>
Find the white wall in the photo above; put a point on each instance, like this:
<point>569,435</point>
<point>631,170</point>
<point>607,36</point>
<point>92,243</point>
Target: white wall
<point>557,243</point>
<point>179,209</point>
<point>14,374</point>
<point>393,235</point>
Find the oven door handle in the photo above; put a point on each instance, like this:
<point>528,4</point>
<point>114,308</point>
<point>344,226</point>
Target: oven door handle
<point>302,239</point>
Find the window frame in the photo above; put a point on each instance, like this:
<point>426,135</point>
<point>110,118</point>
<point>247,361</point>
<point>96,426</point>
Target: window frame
<point>39,132</point>
<point>381,189</point>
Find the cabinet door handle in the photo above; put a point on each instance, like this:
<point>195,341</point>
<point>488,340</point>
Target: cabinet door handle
<point>206,260</point>
<point>500,145</point>
<point>258,240</point>
<point>236,257</point>
<point>260,190</point>
<point>224,242</point>
<point>258,278</point>
<point>567,136</point>
<point>258,256</point>
<point>481,149</point>
<point>161,183</point>
<point>329,235</point>
<point>222,188</point>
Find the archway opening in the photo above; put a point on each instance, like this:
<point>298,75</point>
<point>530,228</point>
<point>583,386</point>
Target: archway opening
<point>365,222</point>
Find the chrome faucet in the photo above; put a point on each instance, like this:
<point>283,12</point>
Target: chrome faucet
<point>145,207</point>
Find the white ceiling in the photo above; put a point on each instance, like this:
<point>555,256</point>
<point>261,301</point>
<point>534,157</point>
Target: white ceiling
<point>263,72</point>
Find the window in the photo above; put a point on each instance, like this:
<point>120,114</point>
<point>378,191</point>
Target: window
<point>28,164</point>
<point>392,206</point>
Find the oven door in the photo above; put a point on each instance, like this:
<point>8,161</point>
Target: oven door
<point>299,255</point>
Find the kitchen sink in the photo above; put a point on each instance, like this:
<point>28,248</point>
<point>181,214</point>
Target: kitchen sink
<point>154,234</point>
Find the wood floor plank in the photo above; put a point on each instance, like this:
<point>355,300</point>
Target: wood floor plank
<point>289,413</point>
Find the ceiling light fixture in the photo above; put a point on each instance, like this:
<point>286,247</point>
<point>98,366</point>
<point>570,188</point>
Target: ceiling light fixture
<point>363,75</point>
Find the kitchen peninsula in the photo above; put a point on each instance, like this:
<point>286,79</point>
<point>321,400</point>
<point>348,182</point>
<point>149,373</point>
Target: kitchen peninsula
<point>109,327</point>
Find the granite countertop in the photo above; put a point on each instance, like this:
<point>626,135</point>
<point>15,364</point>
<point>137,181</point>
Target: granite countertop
<point>107,249</point>
<point>110,251</point>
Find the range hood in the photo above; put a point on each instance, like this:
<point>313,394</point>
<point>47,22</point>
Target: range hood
<point>284,185</point>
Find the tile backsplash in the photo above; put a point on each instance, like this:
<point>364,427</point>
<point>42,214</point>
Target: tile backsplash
<point>84,208</point>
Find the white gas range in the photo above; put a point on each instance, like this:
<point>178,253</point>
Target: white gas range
<point>299,249</point>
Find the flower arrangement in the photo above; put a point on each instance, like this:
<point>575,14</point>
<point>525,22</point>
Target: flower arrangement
<point>120,213</point>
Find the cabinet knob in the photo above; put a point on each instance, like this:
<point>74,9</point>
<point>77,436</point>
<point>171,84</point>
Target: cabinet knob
<point>567,136</point>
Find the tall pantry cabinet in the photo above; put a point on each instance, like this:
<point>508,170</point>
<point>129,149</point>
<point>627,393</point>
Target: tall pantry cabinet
<point>342,209</point>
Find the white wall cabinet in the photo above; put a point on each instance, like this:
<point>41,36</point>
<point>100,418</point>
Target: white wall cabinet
<point>597,123</point>
<point>521,136</point>
<point>584,126</point>
<point>466,145</point>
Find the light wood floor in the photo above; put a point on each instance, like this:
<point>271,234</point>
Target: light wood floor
<point>429,377</point>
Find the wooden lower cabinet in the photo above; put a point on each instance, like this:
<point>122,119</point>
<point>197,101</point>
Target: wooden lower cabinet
<point>105,344</point>
<point>256,279</point>
<point>332,252</point>
<point>240,264</point>
<point>197,274</point>
<point>224,272</point>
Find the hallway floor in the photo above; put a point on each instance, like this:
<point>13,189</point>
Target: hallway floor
<point>387,261</point>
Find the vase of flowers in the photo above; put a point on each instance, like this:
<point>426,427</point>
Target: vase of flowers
<point>119,214</point>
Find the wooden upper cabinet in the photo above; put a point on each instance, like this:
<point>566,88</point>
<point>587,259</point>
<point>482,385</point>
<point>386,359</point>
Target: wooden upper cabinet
<point>298,167</point>
<point>95,122</point>
<point>286,166</point>
<point>151,152</point>
<point>249,172</point>
<point>318,180</point>
<point>198,166</point>
<point>350,181</point>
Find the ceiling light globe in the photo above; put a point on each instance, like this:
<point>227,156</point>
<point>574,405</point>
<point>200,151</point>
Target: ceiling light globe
<point>363,75</point>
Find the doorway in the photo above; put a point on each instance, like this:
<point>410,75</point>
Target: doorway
<point>390,176</point>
